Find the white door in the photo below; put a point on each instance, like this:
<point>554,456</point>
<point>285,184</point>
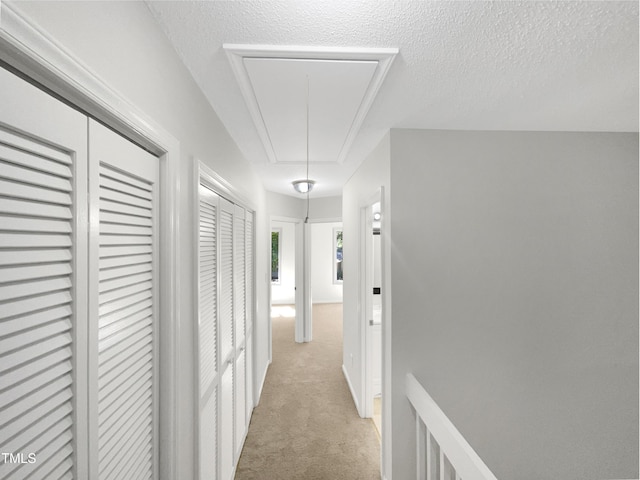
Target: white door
<point>240,300</point>
<point>123,264</point>
<point>208,334</point>
<point>43,222</point>
<point>249,312</point>
<point>78,386</point>
<point>227,351</point>
<point>376,316</point>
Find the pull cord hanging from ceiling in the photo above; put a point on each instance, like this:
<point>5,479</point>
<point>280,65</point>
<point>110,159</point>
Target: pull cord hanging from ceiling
<point>306,220</point>
<point>305,186</point>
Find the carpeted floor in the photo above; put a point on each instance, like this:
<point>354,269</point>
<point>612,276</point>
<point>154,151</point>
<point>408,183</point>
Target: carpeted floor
<point>306,425</point>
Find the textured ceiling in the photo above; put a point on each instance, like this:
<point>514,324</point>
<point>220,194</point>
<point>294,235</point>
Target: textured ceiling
<point>551,66</point>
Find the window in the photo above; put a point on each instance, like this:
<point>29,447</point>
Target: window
<point>337,255</point>
<point>276,234</point>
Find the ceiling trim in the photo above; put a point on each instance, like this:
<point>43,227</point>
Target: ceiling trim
<point>236,53</point>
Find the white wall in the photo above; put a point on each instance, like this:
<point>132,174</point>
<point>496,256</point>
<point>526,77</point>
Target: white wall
<point>327,208</point>
<point>323,289</point>
<point>279,205</point>
<point>121,43</point>
<point>515,297</point>
<point>358,191</point>
<point>284,293</point>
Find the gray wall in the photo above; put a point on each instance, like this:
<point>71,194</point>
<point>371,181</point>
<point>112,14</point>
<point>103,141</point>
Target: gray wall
<point>515,297</point>
<point>358,192</point>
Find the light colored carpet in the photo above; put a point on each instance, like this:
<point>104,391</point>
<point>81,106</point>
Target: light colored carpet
<point>306,425</point>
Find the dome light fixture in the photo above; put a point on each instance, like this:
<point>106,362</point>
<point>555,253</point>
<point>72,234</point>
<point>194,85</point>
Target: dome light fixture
<point>303,186</point>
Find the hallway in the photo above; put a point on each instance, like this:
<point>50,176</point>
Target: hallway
<point>306,425</point>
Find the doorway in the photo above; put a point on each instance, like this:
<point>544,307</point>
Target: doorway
<point>372,301</point>
<point>288,288</point>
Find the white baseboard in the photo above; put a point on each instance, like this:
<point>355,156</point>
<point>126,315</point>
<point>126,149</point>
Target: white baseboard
<point>353,395</point>
<point>264,378</point>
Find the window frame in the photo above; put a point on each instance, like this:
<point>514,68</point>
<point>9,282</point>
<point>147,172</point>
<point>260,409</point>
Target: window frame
<point>334,255</point>
<point>277,230</point>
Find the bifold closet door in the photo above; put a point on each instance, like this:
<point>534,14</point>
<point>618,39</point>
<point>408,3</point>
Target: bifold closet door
<point>208,333</point>
<point>123,326</point>
<point>227,341</point>
<point>239,325</point>
<point>249,309</point>
<point>43,154</point>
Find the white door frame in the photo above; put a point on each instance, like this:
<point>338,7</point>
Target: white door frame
<point>302,289</point>
<point>34,53</point>
<point>365,234</point>
<point>366,311</point>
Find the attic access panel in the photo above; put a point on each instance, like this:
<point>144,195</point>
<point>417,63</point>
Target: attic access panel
<point>342,86</point>
<point>336,90</point>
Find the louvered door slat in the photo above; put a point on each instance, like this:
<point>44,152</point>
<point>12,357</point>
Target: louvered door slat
<point>127,251</point>
<point>17,240</point>
<point>124,271</point>
<point>22,427</point>
<point>33,320</point>
<point>135,258</point>
<point>57,465</point>
<point>127,186</point>
<point>119,367</point>
<point>226,280</point>
<point>21,207</point>
<point>43,179</point>
<point>123,208</point>
<point>114,306</point>
<point>33,150</point>
<point>7,379</point>
<point>23,306</point>
<point>239,265</point>
<point>11,395</point>
<point>30,192</point>
<point>126,306</point>
<point>120,420</point>
<point>59,432</point>
<point>49,256</point>
<point>25,354</point>
<point>41,333</point>
<point>18,224</point>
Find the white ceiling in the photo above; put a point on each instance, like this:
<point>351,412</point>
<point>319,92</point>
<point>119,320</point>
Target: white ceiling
<point>526,65</point>
<point>308,102</point>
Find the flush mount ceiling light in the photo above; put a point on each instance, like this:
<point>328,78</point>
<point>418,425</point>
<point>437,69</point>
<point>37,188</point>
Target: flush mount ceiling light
<point>303,186</point>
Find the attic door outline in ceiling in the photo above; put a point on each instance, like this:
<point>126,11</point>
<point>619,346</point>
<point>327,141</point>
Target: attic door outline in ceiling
<point>343,83</point>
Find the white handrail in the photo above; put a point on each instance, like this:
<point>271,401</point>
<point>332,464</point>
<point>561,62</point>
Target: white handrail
<point>431,422</point>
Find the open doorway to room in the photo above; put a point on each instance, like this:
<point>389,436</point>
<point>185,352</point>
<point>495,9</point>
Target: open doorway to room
<point>326,262</point>
<point>288,290</point>
<point>285,271</point>
<point>372,266</point>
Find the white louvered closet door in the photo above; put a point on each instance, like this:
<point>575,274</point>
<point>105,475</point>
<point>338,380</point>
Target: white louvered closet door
<point>123,312</point>
<point>227,351</point>
<point>249,276</point>
<point>239,324</point>
<point>207,333</point>
<point>43,151</point>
